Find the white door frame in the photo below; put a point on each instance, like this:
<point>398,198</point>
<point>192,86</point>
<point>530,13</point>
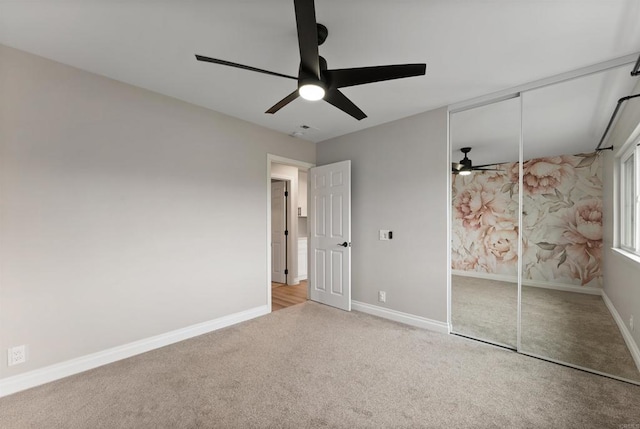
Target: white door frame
<point>286,161</point>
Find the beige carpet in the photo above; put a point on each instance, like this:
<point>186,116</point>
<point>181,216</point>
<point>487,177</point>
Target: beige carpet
<point>485,309</point>
<point>314,366</point>
<point>566,326</point>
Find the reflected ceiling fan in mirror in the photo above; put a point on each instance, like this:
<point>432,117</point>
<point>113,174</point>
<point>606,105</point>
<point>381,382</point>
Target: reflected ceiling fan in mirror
<point>315,81</point>
<point>465,166</point>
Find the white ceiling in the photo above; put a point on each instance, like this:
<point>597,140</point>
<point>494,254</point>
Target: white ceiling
<point>568,117</point>
<point>471,48</point>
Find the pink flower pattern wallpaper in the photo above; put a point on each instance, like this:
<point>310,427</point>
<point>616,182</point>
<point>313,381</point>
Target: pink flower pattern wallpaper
<point>562,222</point>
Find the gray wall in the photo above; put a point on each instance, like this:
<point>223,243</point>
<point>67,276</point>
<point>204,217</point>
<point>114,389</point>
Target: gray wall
<point>621,274</point>
<point>399,182</point>
<point>123,213</point>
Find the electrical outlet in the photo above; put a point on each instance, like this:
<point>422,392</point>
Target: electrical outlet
<point>382,296</point>
<point>631,322</point>
<point>17,355</point>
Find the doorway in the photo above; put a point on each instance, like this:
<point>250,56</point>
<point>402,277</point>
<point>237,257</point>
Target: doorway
<point>287,245</point>
<point>328,232</point>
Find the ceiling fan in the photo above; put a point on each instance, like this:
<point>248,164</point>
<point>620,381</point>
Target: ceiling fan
<point>465,166</point>
<point>315,81</point>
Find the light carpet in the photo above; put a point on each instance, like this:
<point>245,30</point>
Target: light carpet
<point>311,366</point>
<point>485,309</point>
<point>569,327</point>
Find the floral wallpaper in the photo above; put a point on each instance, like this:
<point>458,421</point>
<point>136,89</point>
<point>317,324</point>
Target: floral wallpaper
<point>562,222</point>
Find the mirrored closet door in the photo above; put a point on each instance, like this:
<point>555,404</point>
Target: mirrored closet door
<point>485,147</point>
<point>564,316</point>
<point>527,231</point>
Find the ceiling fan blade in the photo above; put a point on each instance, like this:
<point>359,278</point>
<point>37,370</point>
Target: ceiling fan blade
<point>241,66</point>
<point>307,36</point>
<point>341,78</point>
<point>341,101</point>
<point>486,169</point>
<point>488,165</point>
<point>456,166</point>
<point>280,104</point>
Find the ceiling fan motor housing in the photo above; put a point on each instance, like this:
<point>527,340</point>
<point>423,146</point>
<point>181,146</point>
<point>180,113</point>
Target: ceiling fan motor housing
<point>315,80</point>
<point>306,77</point>
<point>322,33</point>
<point>466,162</point>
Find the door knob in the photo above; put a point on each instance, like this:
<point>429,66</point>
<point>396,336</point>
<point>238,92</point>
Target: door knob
<point>345,244</point>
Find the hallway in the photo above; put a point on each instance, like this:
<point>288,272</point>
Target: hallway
<point>283,295</point>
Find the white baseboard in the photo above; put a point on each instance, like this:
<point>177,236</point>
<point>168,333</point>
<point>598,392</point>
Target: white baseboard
<point>398,316</point>
<point>74,366</point>
<point>487,276</point>
<point>564,287</point>
<point>628,338</point>
<point>297,280</point>
<point>535,283</point>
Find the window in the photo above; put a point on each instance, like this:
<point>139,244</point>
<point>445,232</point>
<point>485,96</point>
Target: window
<point>630,199</point>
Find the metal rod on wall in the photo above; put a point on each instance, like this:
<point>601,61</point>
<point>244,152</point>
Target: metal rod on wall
<point>636,68</point>
<point>613,117</point>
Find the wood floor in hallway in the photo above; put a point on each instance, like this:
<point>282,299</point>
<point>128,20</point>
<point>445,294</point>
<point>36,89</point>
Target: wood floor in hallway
<point>283,295</point>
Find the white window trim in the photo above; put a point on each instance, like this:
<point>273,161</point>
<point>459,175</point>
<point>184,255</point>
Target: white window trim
<point>627,255</point>
<point>632,150</point>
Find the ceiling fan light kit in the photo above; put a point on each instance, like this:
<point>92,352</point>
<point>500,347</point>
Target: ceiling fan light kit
<point>311,91</point>
<point>315,81</point>
<point>466,167</point>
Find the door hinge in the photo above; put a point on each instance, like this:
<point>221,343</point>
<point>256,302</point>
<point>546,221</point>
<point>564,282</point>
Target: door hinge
<point>286,193</point>
<point>286,232</point>
<point>286,271</point>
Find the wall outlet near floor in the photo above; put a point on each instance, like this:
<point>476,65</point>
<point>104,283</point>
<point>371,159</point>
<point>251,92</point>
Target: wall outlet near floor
<point>382,296</point>
<point>631,323</point>
<point>17,355</point>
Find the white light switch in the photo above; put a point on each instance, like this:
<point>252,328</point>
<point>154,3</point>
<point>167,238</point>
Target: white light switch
<point>385,234</point>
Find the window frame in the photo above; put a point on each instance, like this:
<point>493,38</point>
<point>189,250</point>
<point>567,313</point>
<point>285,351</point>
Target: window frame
<point>629,224</point>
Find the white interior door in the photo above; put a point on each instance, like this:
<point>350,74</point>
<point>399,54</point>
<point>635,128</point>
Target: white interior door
<point>278,227</point>
<point>330,235</point>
